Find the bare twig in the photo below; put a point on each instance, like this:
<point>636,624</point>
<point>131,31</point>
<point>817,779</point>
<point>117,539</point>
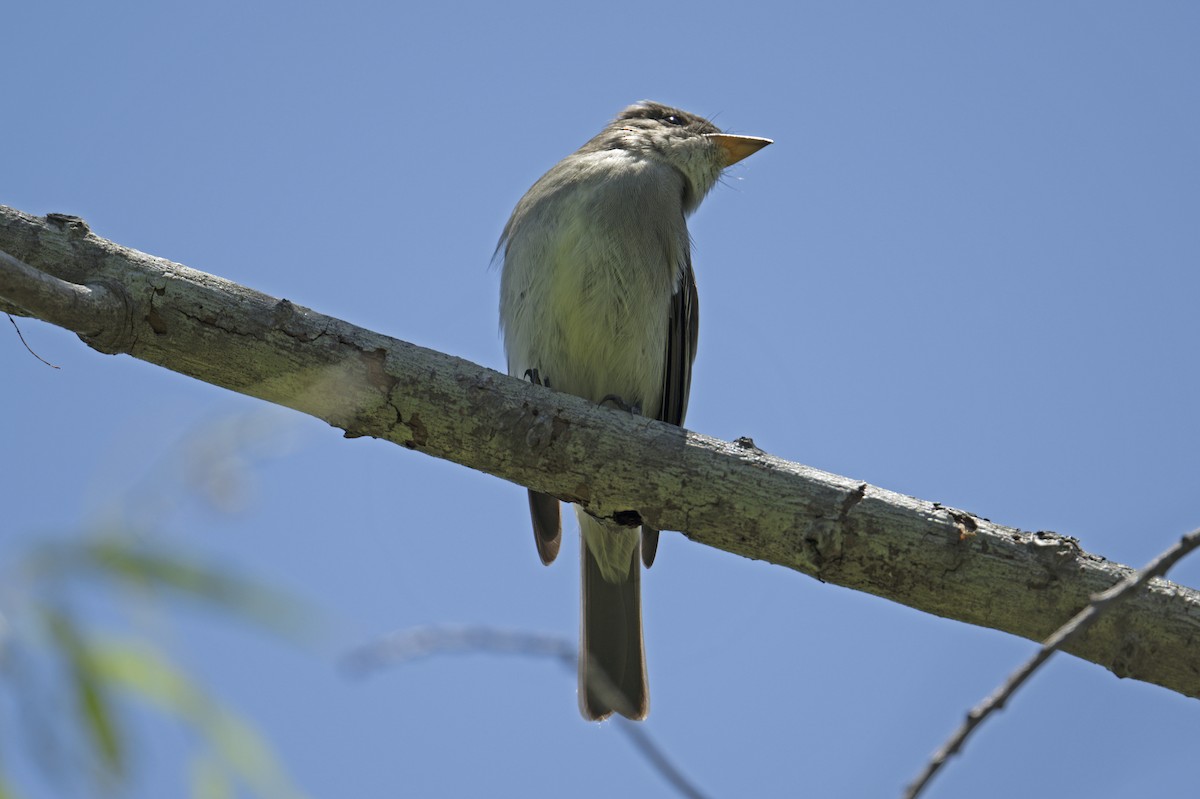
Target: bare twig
<point>650,750</point>
<point>422,642</point>
<point>1072,629</point>
<point>26,343</point>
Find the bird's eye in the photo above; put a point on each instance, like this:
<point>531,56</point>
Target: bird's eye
<point>674,119</point>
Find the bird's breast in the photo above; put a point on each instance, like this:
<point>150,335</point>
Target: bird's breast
<point>588,278</point>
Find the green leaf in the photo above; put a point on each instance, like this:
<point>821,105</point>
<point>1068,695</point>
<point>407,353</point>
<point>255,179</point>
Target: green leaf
<point>131,563</point>
<point>143,672</point>
<point>91,690</point>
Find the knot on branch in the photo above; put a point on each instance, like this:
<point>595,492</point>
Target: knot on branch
<point>73,226</point>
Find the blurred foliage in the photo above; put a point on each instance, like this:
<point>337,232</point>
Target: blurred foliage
<point>71,687</point>
<point>73,698</point>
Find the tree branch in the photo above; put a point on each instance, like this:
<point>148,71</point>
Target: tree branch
<point>731,496</point>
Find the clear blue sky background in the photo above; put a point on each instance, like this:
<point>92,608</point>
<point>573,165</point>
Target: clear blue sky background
<point>967,271</point>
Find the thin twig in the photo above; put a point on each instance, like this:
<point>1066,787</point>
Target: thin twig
<point>26,343</point>
<point>1073,628</point>
<point>408,645</point>
<point>650,750</point>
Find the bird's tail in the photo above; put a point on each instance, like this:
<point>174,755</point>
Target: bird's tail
<point>612,658</point>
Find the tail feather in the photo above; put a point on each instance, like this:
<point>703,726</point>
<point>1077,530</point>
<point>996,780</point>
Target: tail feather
<point>612,658</point>
<point>547,527</point>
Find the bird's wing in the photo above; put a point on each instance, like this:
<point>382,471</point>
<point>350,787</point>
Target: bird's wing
<point>683,329</point>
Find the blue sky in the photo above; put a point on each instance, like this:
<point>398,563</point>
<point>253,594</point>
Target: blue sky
<point>967,270</point>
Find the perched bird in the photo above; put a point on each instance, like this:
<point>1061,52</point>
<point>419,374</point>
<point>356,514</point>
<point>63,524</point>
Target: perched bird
<point>598,299</point>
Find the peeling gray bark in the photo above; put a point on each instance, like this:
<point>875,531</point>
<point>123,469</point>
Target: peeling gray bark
<point>729,495</point>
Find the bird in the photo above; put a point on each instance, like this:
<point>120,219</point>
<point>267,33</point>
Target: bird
<point>598,299</point>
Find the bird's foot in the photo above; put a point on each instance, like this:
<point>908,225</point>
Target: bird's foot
<point>617,402</point>
<point>534,377</point>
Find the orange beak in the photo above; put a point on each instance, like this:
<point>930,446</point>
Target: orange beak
<point>735,148</point>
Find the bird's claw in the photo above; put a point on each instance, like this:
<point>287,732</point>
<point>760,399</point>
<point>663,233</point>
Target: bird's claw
<point>533,377</point>
<point>618,402</point>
